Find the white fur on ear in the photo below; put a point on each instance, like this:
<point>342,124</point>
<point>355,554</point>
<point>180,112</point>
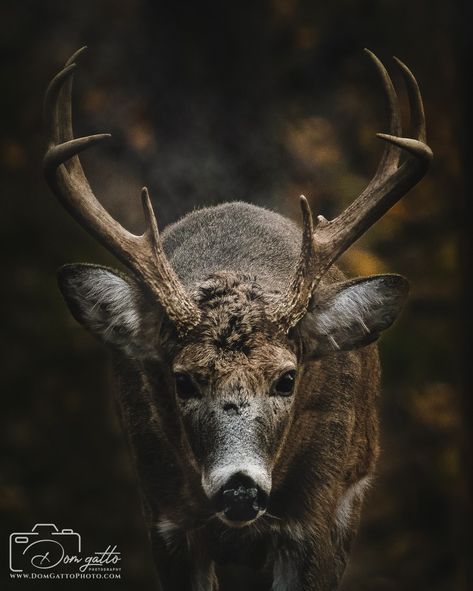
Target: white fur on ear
<point>354,304</point>
<point>352,313</point>
<point>104,302</point>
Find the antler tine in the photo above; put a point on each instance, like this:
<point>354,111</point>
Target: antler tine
<point>161,278</point>
<point>390,158</point>
<point>50,112</point>
<point>152,230</point>
<point>391,181</point>
<point>415,102</point>
<point>64,116</point>
<point>144,255</point>
<point>75,55</point>
<point>293,305</point>
<point>415,146</point>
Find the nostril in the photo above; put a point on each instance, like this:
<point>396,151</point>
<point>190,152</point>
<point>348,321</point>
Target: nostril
<point>230,408</point>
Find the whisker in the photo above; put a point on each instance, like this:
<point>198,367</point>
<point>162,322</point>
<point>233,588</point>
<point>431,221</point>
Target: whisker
<point>273,516</point>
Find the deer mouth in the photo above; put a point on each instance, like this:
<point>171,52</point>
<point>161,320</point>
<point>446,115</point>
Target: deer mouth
<point>240,501</point>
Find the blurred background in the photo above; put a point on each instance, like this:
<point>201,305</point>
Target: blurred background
<point>215,101</point>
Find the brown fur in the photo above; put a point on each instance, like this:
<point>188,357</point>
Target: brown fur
<point>330,444</point>
<point>315,446</point>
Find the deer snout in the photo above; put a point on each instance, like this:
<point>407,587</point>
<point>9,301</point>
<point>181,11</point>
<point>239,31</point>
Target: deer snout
<point>240,500</point>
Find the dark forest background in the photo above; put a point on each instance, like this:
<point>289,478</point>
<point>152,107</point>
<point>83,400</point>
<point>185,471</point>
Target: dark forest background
<point>215,101</point>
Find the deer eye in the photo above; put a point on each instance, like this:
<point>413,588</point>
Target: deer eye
<point>285,384</point>
<point>185,387</point>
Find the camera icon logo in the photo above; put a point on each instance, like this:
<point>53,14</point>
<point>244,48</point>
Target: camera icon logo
<point>44,547</point>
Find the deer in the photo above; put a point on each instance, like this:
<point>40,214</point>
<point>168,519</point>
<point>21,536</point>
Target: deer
<point>246,363</point>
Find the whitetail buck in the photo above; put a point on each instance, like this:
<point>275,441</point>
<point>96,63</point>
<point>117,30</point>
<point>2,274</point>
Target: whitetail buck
<point>247,371</point>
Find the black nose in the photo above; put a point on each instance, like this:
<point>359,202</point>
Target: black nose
<point>241,499</point>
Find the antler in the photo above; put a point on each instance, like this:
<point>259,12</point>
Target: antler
<point>322,246</point>
<point>143,255</point>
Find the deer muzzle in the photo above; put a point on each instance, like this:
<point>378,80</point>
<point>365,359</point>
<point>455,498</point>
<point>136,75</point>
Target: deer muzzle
<point>239,495</point>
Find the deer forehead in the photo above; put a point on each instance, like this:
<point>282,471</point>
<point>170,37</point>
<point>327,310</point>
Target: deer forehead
<point>235,337</point>
<point>233,313</point>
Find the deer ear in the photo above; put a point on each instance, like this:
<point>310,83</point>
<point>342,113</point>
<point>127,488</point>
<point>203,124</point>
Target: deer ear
<point>351,314</point>
<point>107,304</point>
